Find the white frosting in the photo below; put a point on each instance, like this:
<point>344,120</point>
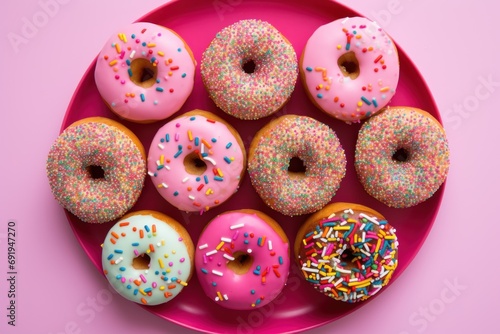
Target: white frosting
<point>169,266</point>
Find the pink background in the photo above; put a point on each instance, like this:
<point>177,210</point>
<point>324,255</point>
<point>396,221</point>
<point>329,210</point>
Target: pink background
<point>59,290</point>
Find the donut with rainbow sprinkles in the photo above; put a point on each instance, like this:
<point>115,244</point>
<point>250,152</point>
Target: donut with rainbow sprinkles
<point>350,68</point>
<point>347,251</point>
<point>196,161</point>
<point>402,156</point>
<point>145,72</point>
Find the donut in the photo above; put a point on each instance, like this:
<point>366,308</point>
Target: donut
<point>350,68</point>
<point>147,257</point>
<point>271,152</point>
<point>402,156</point>
<point>96,169</point>
<point>145,72</point>
<point>242,259</point>
<point>249,69</point>
<point>347,251</point>
<point>196,161</point>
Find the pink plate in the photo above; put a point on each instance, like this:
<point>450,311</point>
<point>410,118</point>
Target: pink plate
<point>198,22</point>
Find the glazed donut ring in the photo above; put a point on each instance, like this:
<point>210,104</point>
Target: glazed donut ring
<point>311,141</point>
<point>249,69</point>
<point>145,72</point>
<point>96,169</point>
<point>347,251</point>
<point>148,257</point>
<point>196,161</point>
<point>242,259</point>
<point>402,156</point>
<point>350,68</point>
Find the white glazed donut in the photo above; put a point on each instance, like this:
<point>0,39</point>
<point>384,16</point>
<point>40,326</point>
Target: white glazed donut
<point>148,257</point>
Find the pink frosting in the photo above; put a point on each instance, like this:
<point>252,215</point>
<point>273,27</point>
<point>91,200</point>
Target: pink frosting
<point>207,139</point>
<point>169,55</point>
<point>231,234</point>
<point>340,96</point>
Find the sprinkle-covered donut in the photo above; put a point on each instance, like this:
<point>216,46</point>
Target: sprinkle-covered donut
<point>350,68</point>
<point>96,169</point>
<point>249,69</point>
<point>145,72</point>
<point>347,251</point>
<point>242,259</point>
<point>296,192</point>
<point>402,156</point>
<point>148,257</point>
<point>196,161</point>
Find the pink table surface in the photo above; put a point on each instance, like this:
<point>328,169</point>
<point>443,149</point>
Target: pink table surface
<point>449,287</point>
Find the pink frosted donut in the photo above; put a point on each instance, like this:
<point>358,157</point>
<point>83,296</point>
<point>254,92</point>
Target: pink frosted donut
<point>271,151</point>
<point>145,72</point>
<point>402,156</point>
<point>196,161</point>
<point>96,169</point>
<point>242,259</point>
<point>249,69</point>
<point>350,68</point>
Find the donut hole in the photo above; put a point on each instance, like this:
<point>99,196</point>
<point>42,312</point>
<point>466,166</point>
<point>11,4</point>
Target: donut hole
<point>241,264</point>
<point>95,172</point>
<point>194,165</point>
<point>349,65</point>
<point>347,256</point>
<point>296,166</point>
<point>401,155</point>
<point>141,262</point>
<point>143,72</point>
<point>248,66</point>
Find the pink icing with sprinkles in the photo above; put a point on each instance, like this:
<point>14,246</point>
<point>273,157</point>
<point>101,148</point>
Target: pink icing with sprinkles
<point>211,144</point>
<point>329,77</point>
<point>321,152</point>
<point>230,237</point>
<point>256,94</point>
<point>155,93</point>
<point>349,256</point>
<point>402,181</point>
<point>95,200</point>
